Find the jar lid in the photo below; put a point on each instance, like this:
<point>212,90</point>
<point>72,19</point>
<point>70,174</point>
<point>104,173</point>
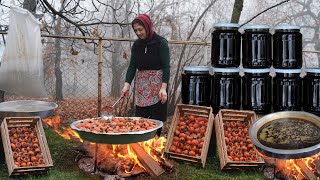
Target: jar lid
<point>287,28</point>
<point>287,70</point>
<point>226,25</point>
<point>264,70</point>
<point>259,27</point>
<point>227,70</point>
<point>313,70</point>
<point>196,68</point>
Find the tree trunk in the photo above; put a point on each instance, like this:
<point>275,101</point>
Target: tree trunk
<point>57,70</point>
<point>1,96</point>
<point>177,79</point>
<point>116,64</point>
<point>116,71</point>
<point>57,62</point>
<point>236,13</point>
<point>30,5</point>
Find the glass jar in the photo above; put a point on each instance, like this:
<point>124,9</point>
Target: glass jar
<point>256,47</point>
<point>226,89</point>
<point>287,47</point>
<point>196,85</point>
<point>225,45</point>
<point>287,90</point>
<point>256,90</point>
<point>311,91</point>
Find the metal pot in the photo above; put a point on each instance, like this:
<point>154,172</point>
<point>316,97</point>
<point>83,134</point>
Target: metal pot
<point>117,138</point>
<point>24,108</point>
<point>284,153</point>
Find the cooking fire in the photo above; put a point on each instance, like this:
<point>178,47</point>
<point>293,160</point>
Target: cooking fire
<point>295,169</point>
<point>123,160</point>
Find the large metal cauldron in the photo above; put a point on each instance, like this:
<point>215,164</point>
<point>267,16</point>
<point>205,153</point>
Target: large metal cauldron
<point>117,138</point>
<point>284,153</point>
<point>23,108</point>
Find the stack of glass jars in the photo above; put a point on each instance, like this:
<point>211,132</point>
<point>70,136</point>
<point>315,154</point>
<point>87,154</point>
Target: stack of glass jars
<point>256,61</point>
<point>225,61</point>
<point>256,90</point>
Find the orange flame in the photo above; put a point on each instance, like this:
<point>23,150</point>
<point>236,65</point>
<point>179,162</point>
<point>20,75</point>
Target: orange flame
<point>292,168</point>
<point>156,144</point>
<point>65,132</point>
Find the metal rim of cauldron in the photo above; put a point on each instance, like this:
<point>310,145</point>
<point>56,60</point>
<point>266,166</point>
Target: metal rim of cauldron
<point>284,153</point>
<point>7,112</point>
<point>117,138</point>
<point>54,105</point>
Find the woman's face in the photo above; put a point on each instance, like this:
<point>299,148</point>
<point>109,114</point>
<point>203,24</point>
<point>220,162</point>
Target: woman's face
<point>140,31</point>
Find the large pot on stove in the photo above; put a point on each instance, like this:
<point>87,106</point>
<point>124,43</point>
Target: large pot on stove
<point>287,134</point>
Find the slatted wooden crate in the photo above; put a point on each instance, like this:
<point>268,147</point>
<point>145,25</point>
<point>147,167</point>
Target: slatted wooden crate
<point>225,115</point>
<point>36,123</point>
<point>197,111</point>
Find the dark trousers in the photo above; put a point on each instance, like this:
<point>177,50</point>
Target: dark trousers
<point>157,111</point>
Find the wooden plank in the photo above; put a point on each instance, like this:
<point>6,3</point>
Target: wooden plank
<point>307,173</point>
<point>317,165</point>
<point>44,145</point>
<point>152,167</point>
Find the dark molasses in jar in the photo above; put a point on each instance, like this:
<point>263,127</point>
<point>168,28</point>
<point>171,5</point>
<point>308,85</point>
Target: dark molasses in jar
<point>311,91</point>
<point>226,89</point>
<point>287,90</point>
<point>256,90</point>
<point>256,47</point>
<point>287,47</point>
<point>196,85</point>
<point>225,45</point>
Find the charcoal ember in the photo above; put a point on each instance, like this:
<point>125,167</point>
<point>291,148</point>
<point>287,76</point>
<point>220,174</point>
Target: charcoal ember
<point>113,177</point>
<point>268,172</point>
<point>86,164</point>
<point>123,166</point>
<point>108,165</point>
<point>137,170</point>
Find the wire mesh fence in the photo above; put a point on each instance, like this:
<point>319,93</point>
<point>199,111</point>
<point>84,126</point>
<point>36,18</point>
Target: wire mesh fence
<point>71,74</point>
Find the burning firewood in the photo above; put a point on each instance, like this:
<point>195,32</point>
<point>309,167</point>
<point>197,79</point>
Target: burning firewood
<point>165,163</point>
<point>305,170</point>
<point>317,166</point>
<point>151,166</point>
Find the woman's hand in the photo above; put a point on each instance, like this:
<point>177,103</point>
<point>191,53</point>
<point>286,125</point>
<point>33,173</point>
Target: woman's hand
<point>163,93</point>
<point>125,89</point>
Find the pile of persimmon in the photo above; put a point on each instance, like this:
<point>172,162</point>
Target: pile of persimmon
<point>116,125</point>
<point>189,135</point>
<point>25,147</point>
<point>238,142</point>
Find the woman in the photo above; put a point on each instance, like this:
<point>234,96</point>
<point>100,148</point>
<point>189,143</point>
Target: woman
<point>150,55</point>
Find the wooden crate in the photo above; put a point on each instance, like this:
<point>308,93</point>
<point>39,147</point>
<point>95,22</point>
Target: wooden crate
<point>233,115</point>
<point>36,123</point>
<point>197,111</point>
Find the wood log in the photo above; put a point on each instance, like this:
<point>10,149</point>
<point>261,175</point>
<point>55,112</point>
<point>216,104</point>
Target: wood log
<point>165,163</point>
<point>317,165</point>
<point>151,166</point>
<point>305,170</point>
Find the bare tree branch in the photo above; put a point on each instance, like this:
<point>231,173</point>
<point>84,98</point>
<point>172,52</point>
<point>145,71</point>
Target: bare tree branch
<point>176,82</point>
<point>263,12</point>
<point>55,12</point>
